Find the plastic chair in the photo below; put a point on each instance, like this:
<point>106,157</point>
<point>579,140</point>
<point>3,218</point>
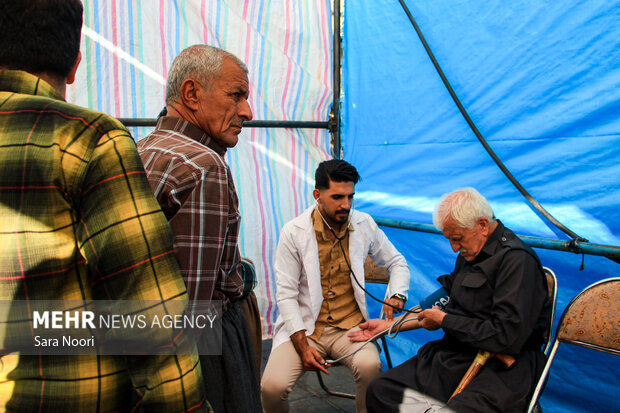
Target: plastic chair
<point>590,320</point>
<point>372,274</point>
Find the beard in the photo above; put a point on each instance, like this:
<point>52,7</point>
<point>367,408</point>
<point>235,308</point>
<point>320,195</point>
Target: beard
<point>340,219</point>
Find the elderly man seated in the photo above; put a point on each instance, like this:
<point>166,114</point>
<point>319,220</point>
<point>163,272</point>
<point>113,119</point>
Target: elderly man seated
<point>498,302</point>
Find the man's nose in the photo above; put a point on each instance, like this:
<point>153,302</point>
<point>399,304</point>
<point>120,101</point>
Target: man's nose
<point>245,112</point>
<point>455,246</point>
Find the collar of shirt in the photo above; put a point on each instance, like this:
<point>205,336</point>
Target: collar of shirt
<point>321,228</point>
<point>19,81</point>
<point>490,246</point>
<point>172,123</point>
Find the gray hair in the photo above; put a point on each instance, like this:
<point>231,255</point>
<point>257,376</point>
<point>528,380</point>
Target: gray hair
<point>200,62</point>
<point>465,206</point>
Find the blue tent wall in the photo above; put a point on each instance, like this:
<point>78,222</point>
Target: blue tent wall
<point>541,80</point>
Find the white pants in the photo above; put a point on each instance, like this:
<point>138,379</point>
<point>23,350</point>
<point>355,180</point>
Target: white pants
<point>416,402</point>
<point>284,368</point>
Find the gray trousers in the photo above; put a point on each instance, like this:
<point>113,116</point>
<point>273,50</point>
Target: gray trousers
<point>231,379</point>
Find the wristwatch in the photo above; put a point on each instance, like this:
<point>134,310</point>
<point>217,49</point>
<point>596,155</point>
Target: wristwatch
<point>402,297</point>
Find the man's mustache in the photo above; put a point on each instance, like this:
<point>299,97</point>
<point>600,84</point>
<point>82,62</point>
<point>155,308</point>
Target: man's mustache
<point>238,122</point>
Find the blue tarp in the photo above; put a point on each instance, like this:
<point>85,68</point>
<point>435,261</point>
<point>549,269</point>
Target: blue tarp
<point>541,80</point>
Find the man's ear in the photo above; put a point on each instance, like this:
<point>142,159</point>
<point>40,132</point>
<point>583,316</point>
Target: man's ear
<point>316,194</point>
<point>189,93</point>
<point>485,225</point>
<point>71,75</point>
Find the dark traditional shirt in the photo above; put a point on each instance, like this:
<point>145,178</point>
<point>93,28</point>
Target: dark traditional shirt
<point>498,302</point>
<point>78,221</point>
<point>194,186</point>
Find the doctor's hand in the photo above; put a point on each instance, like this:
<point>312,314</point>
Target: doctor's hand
<point>369,329</point>
<point>310,357</point>
<point>390,311</point>
<point>431,319</point>
<point>313,361</point>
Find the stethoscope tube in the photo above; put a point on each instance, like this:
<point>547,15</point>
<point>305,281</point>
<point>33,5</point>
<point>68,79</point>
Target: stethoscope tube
<point>347,260</point>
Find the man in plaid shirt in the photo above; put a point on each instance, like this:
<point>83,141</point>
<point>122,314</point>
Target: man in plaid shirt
<point>78,221</point>
<point>206,104</point>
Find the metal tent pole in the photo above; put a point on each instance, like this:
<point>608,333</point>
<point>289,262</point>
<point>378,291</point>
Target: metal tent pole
<point>579,247</point>
<point>334,115</point>
<point>291,124</point>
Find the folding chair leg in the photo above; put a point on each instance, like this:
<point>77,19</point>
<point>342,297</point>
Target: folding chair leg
<point>386,352</point>
<point>333,393</point>
<point>348,395</point>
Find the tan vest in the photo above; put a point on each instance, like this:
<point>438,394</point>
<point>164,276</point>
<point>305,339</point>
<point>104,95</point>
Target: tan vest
<point>339,308</point>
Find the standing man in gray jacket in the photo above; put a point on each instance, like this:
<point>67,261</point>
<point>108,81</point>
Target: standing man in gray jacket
<point>319,275</point>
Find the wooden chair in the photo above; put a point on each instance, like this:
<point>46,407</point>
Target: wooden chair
<point>591,320</point>
<point>372,274</point>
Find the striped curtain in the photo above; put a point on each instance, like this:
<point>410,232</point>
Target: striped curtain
<point>128,47</point>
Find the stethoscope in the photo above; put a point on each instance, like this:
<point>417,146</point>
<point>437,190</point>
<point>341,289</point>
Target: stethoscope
<point>348,225</point>
<point>400,320</point>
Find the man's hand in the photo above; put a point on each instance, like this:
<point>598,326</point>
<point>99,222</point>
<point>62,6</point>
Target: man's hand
<point>313,361</point>
<point>431,319</point>
<point>390,311</point>
<point>310,356</point>
<point>369,329</point>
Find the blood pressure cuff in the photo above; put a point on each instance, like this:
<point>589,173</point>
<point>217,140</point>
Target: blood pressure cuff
<point>439,298</point>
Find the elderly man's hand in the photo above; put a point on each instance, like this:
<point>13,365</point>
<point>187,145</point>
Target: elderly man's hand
<point>391,311</point>
<point>431,319</point>
<point>369,329</point>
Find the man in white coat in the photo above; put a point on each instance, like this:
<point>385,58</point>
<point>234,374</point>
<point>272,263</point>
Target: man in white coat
<point>319,276</point>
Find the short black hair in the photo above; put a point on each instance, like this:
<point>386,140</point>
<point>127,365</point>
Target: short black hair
<point>40,36</point>
<point>335,170</point>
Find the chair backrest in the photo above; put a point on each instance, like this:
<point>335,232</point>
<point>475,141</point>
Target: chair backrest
<point>552,286</point>
<point>375,274</point>
<point>591,320</point>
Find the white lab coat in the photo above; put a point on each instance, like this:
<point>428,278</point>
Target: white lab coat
<point>298,276</point>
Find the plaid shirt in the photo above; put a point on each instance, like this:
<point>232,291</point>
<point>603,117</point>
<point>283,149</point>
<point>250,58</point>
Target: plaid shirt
<point>78,221</point>
<point>195,189</point>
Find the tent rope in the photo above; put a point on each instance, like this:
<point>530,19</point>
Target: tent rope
<point>500,164</point>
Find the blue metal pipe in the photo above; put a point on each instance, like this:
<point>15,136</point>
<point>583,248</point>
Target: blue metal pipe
<point>609,251</point>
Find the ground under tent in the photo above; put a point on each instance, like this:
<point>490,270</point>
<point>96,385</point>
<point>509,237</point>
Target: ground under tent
<point>539,80</point>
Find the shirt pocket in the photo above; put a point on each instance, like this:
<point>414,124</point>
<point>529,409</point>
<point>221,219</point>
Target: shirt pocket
<point>475,294</point>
